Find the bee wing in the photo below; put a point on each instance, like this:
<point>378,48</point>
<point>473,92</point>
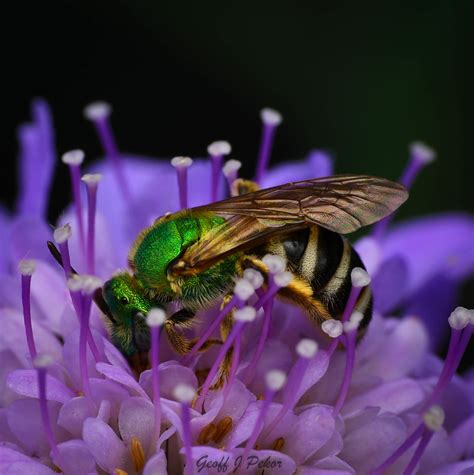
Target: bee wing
<point>342,203</point>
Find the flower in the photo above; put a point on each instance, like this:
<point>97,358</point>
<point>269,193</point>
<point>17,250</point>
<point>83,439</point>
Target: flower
<point>297,400</point>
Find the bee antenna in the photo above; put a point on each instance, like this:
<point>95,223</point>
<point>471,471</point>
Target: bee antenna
<point>97,296</point>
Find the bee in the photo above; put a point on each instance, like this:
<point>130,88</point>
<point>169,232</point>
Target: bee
<point>193,256</point>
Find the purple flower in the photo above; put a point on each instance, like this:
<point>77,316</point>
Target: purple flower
<point>298,400</point>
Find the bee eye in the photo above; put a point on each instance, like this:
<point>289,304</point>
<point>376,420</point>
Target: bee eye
<point>124,300</point>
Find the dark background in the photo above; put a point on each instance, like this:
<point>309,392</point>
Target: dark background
<point>361,79</point>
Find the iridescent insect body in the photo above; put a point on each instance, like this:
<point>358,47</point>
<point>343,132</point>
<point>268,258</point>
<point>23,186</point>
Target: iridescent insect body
<point>193,256</point>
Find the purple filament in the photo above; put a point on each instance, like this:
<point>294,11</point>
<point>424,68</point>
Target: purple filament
<point>234,365</point>
<point>268,134</point>
<point>269,394</point>
<point>216,161</point>
<point>26,301</point>
<point>411,439</point>
<point>186,420</point>
<point>43,403</point>
<point>236,329</point>
<point>75,173</point>
<point>83,333</point>
<point>91,211</point>
<point>210,330</point>
<point>182,176</point>
<point>155,376</point>
<point>425,440</point>
<point>294,379</point>
<point>75,297</point>
<point>350,358</point>
<point>351,303</point>
<point>106,137</point>
<point>267,319</point>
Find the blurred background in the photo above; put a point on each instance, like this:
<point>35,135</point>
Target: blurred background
<point>359,79</point>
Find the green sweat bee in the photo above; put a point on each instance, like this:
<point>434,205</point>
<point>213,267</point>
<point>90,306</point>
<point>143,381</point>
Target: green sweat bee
<point>193,256</point>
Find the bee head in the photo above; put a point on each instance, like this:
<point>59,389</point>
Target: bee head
<point>129,306</point>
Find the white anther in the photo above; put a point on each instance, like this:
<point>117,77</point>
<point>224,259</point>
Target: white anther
<point>156,317</point>
<point>360,277</point>
<point>254,277</point>
<point>270,116</point>
<point>90,283</point>
<point>184,393</point>
<point>97,110</point>
<point>75,283</point>
<point>434,418</point>
<point>230,167</point>
<point>73,157</point>
<point>275,379</point>
<point>306,348</point>
<point>245,314</point>
<point>243,289</point>
<point>27,266</point>
<point>181,162</point>
<point>62,234</point>
<point>91,178</point>
<point>283,279</point>
<point>219,148</point>
<point>43,360</point>
<point>332,327</point>
<point>422,152</point>
<point>353,322</point>
<point>275,264</point>
<point>460,317</point>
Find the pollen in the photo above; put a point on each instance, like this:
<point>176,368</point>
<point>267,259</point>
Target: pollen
<point>207,434</point>
<point>278,444</point>
<point>119,471</point>
<point>223,428</point>
<point>138,454</point>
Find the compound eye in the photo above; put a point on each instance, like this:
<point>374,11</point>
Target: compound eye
<point>124,300</point>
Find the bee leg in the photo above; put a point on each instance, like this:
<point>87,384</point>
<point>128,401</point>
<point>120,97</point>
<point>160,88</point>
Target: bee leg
<point>226,327</point>
<point>174,326</point>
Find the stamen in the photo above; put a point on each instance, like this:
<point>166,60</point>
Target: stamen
<point>27,269</point>
<point>243,289</point>
<point>332,327</point>
<point>230,171</point>
<point>119,471</point>
<point>76,285</point>
<point>138,454</point>
<point>182,164</point>
<point>74,159</point>
<point>210,330</point>
<point>275,380</point>
<point>217,151</point>
<point>271,119</point>
<point>434,420</point>
<point>185,395</point>
<point>155,319</point>
<point>242,316</point>
<point>276,282</point>
<point>254,277</point>
<point>222,429</point>
<point>306,350</point>
<point>461,333</point>
<point>207,434</point>
<point>41,363</point>
<point>98,113</point>
<point>278,444</point>
<point>420,156</point>
<point>275,264</point>
<point>92,183</point>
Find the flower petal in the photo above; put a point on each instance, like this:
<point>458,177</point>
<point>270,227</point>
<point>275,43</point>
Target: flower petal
<point>156,465</point>
<point>136,419</point>
<point>108,450</point>
<point>75,458</point>
<point>25,383</point>
<point>73,414</point>
<point>118,375</point>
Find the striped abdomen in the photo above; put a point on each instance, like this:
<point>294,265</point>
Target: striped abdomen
<point>324,260</point>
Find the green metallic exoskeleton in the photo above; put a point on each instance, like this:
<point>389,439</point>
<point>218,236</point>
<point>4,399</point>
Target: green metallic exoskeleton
<point>192,257</point>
